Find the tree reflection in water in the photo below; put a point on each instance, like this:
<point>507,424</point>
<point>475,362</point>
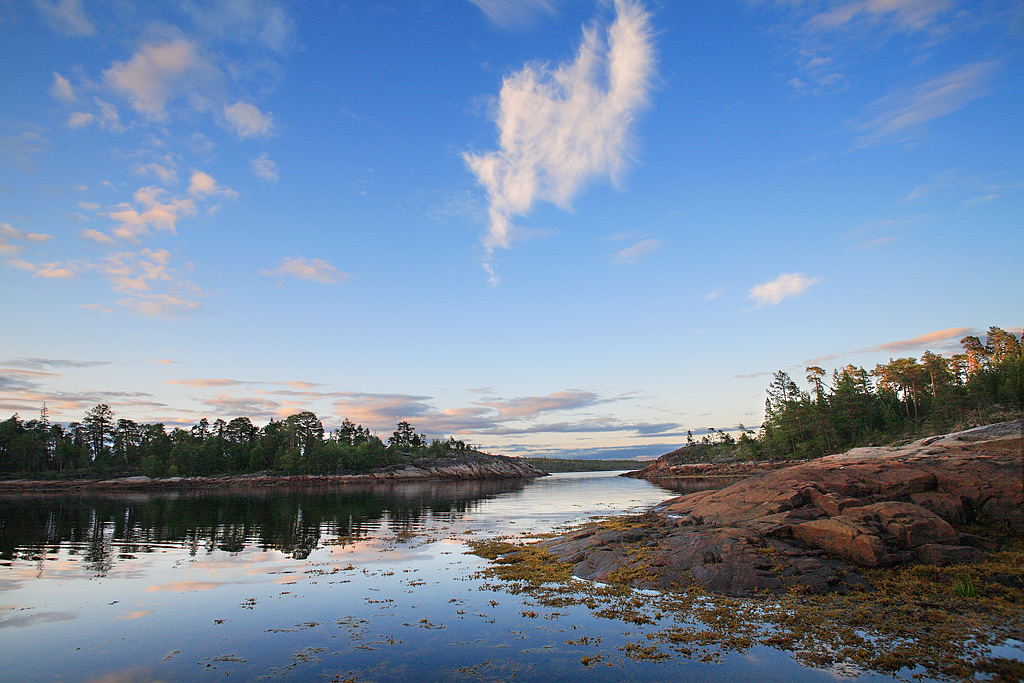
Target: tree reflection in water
<point>104,528</point>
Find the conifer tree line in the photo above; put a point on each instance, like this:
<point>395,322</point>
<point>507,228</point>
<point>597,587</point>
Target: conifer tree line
<point>855,407</point>
<point>101,445</point>
<point>902,398</point>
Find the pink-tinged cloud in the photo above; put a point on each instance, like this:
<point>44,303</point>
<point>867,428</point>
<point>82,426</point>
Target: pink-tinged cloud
<point>155,75</point>
<point>941,337</point>
<point>532,406</point>
<point>312,270</point>
<point>206,383</point>
<point>186,586</point>
<point>53,270</point>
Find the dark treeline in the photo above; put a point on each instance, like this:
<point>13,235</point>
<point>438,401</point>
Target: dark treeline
<point>905,397</point>
<point>101,445</point>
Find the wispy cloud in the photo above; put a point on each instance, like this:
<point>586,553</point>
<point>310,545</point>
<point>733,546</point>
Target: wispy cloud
<point>152,287</point>
<point>783,287</point>
<point>159,73</point>
<point>20,150</point>
<point>635,252</point>
<point>913,15</point>
<point>313,270</point>
<point>513,13</point>
<point>207,383</point>
<point>66,16</point>
<point>530,407</point>
<point>943,338</point>
<point>562,126</point>
<point>61,88</point>
<point>53,363</point>
<point>255,21</point>
<point>13,240</point>
<point>263,167</point>
<point>52,270</point>
<point>898,115</point>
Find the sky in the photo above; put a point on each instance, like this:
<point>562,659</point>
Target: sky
<point>572,228</point>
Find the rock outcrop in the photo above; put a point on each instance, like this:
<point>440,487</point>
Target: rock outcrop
<point>812,525</point>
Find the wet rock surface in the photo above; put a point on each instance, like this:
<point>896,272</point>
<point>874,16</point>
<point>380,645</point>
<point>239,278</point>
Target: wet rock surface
<point>813,526</point>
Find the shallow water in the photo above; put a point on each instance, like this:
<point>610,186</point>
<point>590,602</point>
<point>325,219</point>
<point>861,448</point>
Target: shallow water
<point>351,584</point>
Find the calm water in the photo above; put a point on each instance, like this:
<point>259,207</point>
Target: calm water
<point>369,584</point>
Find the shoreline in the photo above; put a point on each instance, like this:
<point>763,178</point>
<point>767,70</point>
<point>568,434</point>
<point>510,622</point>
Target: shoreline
<point>440,469</point>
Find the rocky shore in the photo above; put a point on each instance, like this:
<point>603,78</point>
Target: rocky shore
<point>471,466</point>
<point>815,526</point>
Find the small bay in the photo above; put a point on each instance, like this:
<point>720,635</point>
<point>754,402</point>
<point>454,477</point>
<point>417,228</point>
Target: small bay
<point>367,583</point>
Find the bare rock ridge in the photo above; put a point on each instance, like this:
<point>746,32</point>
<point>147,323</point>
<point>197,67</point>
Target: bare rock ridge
<point>812,525</point>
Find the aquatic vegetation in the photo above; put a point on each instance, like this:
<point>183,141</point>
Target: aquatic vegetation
<point>915,622</point>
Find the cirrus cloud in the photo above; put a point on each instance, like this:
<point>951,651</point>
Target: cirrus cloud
<point>313,270</point>
<point>562,126</point>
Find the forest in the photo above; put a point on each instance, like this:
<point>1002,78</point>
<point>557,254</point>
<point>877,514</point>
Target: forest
<point>904,398</point>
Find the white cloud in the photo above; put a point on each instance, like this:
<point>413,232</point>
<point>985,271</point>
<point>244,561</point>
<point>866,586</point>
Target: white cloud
<point>66,16</point>
<point>263,167</point>
<point>513,13</point>
<point>635,252</point>
<point>896,114</point>
<point>61,88</point>
<point>156,74</point>
<point>165,174</point>
<point>314,270</point>
<point>784,286</point>
<point>560,127</point>
<point>247,120</point>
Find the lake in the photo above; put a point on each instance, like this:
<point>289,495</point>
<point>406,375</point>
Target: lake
<point>371,583</point>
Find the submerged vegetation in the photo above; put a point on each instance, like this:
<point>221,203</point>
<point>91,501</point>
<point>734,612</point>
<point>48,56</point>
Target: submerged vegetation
<point>917,622</point>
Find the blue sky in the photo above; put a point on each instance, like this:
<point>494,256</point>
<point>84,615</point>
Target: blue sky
<point>545,227</point>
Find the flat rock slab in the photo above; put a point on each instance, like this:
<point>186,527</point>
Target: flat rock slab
<point>813,525</point>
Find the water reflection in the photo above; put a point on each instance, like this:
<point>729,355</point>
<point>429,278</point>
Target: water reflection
<point>104,528</point>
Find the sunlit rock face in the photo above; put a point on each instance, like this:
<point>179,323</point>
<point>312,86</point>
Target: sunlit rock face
<point>811,526</point>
